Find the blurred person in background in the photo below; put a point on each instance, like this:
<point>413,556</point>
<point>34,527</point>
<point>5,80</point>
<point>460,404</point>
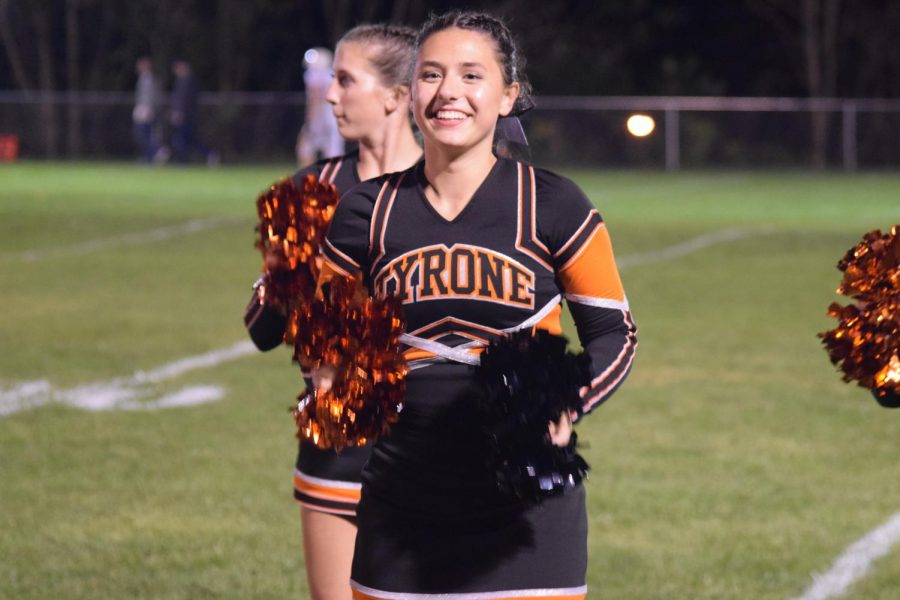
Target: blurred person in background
<point>145,116</point>
<point>319,137</point>
<point>369,96</point>
<point>183,116</point>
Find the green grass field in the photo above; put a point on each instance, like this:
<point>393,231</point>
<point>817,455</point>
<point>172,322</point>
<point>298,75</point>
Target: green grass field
<point>733,464</point>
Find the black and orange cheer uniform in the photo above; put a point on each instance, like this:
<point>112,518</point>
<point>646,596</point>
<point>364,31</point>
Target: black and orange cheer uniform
<point>431,521</point>
<point>323,480</point>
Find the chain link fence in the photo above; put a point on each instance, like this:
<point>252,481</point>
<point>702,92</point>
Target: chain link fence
<point>705,132</point>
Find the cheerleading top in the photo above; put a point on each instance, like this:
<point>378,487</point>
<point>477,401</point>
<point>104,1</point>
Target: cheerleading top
<point>265,324</point>
<point>526,239</point>
<point>323,479</point>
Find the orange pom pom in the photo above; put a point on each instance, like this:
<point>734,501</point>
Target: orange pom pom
<point>358,336</point>
<point>866,342</point>
<point>292,225</point>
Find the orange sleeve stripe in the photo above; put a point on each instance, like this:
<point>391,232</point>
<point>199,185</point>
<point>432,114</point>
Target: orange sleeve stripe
<point>630,342</point>
<point>595,397</point>
<point>592,270</point>
<point>613,375</point>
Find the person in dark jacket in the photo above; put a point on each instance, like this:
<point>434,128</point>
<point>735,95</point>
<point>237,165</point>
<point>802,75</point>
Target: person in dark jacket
<point>183,116</point>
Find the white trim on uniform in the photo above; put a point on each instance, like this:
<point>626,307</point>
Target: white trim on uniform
<point>532,593</point>
<point>598,302</point>
<point>335,483</point>
<point>460,353</point>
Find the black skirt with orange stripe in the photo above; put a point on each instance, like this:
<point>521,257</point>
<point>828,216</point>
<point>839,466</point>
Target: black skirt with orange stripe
<point>323,480</point>
<point>432,521</point>
<point>327,481</point>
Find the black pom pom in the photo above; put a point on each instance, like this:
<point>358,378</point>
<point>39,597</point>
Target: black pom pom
<point>530,380</point>
<point>887,399</point>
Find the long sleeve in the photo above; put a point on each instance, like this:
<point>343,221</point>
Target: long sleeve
<point>586,272</point>
<point>265,325</point>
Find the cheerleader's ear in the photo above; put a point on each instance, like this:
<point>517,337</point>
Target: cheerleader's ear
<point>397,97</point>
<point>508,101</point>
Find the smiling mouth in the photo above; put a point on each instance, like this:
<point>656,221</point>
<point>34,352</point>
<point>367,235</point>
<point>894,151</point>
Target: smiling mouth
<point>449,115</point>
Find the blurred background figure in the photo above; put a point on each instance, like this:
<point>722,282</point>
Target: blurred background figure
<point>183,117</point>
<point>319,137</point>
<point>145,116</point>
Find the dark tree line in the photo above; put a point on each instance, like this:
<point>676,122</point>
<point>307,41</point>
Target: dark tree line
<point>810,48</point>
<point>618,47</point>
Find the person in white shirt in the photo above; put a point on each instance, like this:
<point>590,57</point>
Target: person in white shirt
<point>319,137</point>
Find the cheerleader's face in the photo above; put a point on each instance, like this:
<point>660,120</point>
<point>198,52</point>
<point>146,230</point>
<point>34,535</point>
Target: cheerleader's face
<point>459,90</point>
<point>357,96</point>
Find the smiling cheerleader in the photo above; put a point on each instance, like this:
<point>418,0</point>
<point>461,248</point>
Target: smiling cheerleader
<point>475,247</point>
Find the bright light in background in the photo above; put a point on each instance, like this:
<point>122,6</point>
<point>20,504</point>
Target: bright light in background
<point>640,125</point>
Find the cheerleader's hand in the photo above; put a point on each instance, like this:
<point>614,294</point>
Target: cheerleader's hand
<point>561,433</point>
<point>323,377</point>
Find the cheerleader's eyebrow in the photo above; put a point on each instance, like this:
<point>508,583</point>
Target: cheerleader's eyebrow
<point>467,65</point>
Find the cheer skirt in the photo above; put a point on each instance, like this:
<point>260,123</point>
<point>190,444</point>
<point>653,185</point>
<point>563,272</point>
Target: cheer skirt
<point>328,481</point>
<point>432,523</point>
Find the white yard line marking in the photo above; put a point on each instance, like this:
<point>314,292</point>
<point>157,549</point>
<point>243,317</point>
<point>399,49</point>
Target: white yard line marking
<point>695,244</point>
<point>124,392</point>
<point>126,239</point>
<point>187,396</point>
<point>191,363</point>
<point>855,562</point>
<point>29,394</point>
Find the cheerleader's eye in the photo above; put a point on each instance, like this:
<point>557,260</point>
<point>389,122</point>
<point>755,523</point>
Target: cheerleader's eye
<point>430,76</point>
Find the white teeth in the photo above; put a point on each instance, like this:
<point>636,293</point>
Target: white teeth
<point>450,115</point>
